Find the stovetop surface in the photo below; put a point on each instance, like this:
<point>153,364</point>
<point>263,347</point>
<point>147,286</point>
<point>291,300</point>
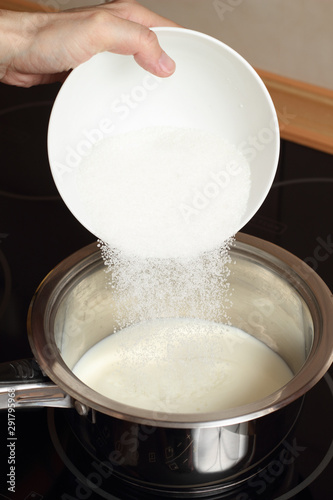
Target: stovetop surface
<point>37,231</point>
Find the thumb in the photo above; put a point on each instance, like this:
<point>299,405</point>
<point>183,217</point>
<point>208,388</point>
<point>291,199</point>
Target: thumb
<point>162,65</point>
<point>143,44</point>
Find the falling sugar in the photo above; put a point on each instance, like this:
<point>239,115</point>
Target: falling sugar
<point>153,288</point>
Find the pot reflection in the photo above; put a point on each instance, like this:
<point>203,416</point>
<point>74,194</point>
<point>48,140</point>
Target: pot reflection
<point>171,458</point>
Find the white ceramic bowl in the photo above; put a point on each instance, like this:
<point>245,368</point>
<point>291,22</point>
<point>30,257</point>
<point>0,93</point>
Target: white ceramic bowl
<point>213,89</point>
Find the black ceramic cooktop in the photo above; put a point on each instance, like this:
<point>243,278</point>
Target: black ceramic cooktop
<point>37,231</point>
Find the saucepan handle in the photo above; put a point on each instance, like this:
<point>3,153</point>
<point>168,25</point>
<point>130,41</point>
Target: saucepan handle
<point>24,385</point>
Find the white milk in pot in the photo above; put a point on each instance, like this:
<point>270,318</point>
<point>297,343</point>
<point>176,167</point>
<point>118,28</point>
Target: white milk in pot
<point>182,366</point>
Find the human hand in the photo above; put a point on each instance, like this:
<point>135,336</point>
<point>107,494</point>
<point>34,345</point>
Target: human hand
<point>42,47</point>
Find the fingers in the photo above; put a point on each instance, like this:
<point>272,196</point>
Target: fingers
<point>127,37</point>
<point>61,41</point>
<point>150,56</point>
<point>122,27</point>
<point>164,66</point>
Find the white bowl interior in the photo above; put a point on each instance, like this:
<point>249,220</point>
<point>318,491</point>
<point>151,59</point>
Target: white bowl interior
<point>213,89</point>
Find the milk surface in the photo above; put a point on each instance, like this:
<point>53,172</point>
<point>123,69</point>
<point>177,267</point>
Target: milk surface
<point>182,365</point>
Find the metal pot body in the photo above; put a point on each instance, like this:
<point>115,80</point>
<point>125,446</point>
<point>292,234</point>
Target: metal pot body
<point>276,298</point>
<point>179,461</point>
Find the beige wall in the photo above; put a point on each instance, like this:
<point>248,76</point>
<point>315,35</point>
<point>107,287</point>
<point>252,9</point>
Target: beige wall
<point>293,38</point>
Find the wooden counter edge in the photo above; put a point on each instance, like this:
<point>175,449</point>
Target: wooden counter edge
<point>305,111</point>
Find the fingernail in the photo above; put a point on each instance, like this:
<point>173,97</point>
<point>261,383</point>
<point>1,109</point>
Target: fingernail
<point>166,64</point>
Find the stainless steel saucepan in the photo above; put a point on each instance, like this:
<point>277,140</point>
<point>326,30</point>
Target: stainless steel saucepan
<point>276,298</point>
